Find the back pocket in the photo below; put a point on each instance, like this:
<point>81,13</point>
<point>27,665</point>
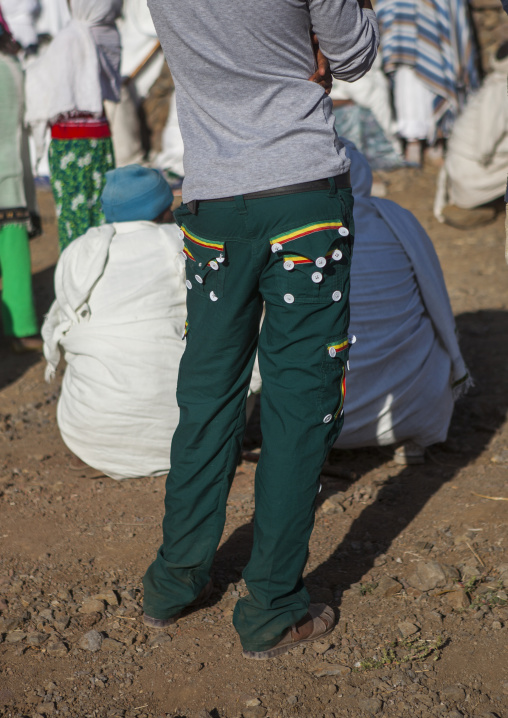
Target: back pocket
<point>313,262</point>
<point>205,265</point>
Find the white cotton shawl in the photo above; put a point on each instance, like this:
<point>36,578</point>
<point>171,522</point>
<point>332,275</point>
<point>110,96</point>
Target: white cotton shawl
<point>80,68</point>
<point>406,368</point>
<point>119,316</point>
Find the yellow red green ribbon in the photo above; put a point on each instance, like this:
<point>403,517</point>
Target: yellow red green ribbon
<point>342,394</point>
<point>303,231</point>
<point>209,244</point>
<point>338,347</point>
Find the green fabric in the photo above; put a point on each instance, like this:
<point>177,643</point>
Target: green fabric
<point>78,174</point>
<point>302,384</point>
<point>18,310</point>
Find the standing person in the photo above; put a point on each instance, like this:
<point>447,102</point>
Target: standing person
<point>18,311</point>
<point>66,87</point>
<point>427,48</point>
<point>267,215</point>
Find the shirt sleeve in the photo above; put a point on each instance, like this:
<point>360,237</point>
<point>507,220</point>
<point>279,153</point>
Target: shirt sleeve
<point>348,36</point>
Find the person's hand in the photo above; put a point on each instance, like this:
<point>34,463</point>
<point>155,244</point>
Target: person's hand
<point>322,76</point>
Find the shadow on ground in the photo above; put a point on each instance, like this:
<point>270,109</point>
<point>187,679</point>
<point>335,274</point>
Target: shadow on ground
<point>401,497</point>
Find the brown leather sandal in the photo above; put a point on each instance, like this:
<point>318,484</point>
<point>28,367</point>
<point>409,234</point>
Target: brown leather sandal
<point>320,620</point>
<point>160,623</point>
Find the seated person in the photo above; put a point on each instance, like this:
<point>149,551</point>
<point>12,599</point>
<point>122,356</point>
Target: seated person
<point>119,316</point>
<point>406,369</point>
<point>476,161</point>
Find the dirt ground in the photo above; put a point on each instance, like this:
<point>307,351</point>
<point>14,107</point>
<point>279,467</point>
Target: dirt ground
<point>414,559</point>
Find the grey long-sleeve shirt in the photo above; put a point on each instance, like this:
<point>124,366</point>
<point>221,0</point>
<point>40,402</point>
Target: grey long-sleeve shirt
<point>249,117</point>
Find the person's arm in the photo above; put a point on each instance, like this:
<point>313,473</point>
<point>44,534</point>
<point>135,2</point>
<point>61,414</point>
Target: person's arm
<point>348,35</point>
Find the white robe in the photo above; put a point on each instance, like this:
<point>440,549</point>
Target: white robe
<point>414,106</point>
<point>119,316</point>
<point>476,159</point>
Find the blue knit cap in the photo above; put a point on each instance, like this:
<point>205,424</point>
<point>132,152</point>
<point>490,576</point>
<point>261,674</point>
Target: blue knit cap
<point>134,193</point>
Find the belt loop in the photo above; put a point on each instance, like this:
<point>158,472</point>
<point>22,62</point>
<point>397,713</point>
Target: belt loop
<point>333,187</point>
<point>240,204</point>
<point>192,206</point>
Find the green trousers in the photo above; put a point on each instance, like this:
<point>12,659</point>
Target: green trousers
<point>18,310</point>
<point>292,253</point>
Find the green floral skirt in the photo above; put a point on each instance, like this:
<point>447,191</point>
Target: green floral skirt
<point>78,173</point>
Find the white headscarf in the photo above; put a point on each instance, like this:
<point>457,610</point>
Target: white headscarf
<point>80,68</point>
<point>100,17</point>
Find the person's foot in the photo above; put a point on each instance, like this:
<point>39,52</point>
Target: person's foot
<point>409,453</point>
<point>469,218</point>
<point>160,623</point>
<point>413,153</point>
<point>434,155</point>
<point>317,623</point>
<point>77,464</point>
<point>25,345</point>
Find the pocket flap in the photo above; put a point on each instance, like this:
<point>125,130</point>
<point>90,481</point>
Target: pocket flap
<point>205,255</point>
<point>339,350</point>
